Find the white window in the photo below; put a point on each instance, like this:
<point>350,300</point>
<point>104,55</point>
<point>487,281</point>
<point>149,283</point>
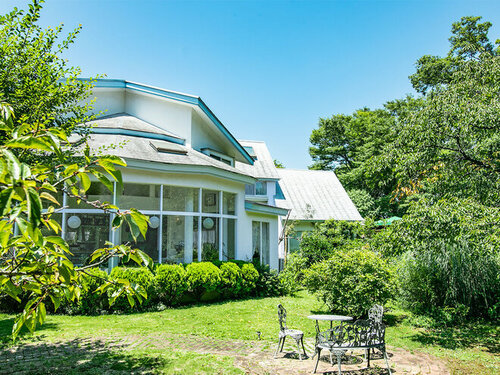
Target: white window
<point>186,224</point>
<point>260,241</point>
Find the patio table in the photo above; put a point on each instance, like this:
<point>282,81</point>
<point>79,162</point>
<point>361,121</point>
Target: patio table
<point>331,319</point>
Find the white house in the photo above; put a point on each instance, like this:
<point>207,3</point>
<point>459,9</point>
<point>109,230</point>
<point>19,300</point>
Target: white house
<point>208,195</point>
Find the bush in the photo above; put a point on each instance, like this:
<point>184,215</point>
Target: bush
<point>333,235</point>
<point>232,280</point>
<point>170,283</point>
<point>250,277</point>
<point>350,282</point>
<point>91,303</point>
<point>451,259</point>
<point>137,275</point>
<point>202,278</point>
<point>292,277</point>
<point>268,283</point>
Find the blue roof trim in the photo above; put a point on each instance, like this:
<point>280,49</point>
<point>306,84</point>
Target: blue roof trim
<point>138,133</point>
<point>194,100</point>
<point>265,209</point>
<point>279,192</point>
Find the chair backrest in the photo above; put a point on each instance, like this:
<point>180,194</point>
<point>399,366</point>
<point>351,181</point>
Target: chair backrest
<point>282,317</point>
<point>376,313</point>
<point>362,333</point>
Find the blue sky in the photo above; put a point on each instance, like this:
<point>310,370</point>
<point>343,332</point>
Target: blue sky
<point>268,69</point>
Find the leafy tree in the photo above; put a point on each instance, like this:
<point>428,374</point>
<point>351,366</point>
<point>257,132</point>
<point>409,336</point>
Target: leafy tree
<point>38,165</point>
<point>451,145</point>
<point>35,79</point>
<point>353,146</point>
<point>469,41</point>
<point>278,164</point>
<point>364,202</point>
<point>351,282</point>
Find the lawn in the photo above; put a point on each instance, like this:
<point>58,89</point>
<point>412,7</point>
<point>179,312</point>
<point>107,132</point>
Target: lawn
<point>468,349</point>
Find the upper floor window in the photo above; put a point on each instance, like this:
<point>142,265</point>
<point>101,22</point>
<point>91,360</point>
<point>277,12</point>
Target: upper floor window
<point>259,188</point>
<point>251,152</point>
<point>218,156</point>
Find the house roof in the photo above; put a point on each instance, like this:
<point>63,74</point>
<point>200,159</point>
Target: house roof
<point>195,101</point>
<point>315,195</point>
<point>157,154</point>
<point>125,124</point>
<point>263,166</point>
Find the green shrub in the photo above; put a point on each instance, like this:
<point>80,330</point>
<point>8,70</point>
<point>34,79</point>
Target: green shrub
<point>202,278</point>
<point>350,282</point>
<point>232,280</point>
<point>90,302</point>
<point>170,283</point>
<point>268,283</point>
<point>450,276</point>
<point>450,257</point>
<point>250,277</point>
<point>292,277</point>
<point>137,275</point>
<point>333,235</point>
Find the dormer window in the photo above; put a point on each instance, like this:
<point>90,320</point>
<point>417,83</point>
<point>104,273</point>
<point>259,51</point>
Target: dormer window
<point>218,156</point>
<point>259,188</point>
<point>251,152</point>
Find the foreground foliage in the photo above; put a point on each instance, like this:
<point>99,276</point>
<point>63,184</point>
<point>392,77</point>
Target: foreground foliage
<point>38,165</point>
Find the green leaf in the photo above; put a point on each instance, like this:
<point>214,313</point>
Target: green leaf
<point>55,300</point>
<point>84,178</point>
<point>65,273</point>
<point>103,179</point>
<point>140,220</point>
<point>49,197</point>
<point>34,207</point>
<point>42,313</point>
<point>117,221</point>
<point>58,241</point>
<point>30,143</point>
<point>5,200</point>
<point>13,164</point>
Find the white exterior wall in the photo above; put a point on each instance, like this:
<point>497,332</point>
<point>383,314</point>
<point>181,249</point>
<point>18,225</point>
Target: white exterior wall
<point>168,115</point>
<point>108,100</point>
<point>243,249</point>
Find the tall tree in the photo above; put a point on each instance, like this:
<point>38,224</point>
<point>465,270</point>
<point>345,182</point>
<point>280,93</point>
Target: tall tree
<point>35,79</point>
<point>352,145</point>
<point>469,41</point>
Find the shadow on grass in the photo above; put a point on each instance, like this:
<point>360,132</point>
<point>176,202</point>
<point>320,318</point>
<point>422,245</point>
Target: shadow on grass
<point>78,356</point>
<point>468,336</point>
<point>6,331</point>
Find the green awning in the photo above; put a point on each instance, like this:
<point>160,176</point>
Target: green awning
<point>386,222</point>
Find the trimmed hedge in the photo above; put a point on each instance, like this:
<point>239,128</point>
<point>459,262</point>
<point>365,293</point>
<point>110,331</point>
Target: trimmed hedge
<point>170,285</point>
<point>202,278</point>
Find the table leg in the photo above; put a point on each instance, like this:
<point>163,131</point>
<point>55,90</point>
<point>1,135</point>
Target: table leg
<point>316,341</point>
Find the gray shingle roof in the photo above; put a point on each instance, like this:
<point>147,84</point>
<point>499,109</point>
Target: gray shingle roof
<point>315,195</point>
<point>125,121</point>
<point>263,167</point>
<point>139,148</point>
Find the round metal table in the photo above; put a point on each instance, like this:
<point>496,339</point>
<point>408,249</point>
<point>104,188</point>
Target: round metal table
<point>331,319</point>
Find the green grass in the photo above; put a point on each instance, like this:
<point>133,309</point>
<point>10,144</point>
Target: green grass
<point>468,349</point>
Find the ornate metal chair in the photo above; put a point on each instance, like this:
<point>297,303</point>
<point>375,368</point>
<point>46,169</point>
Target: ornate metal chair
<point>295,334</point>
<point>376,313</point>
<point>362,334</point>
